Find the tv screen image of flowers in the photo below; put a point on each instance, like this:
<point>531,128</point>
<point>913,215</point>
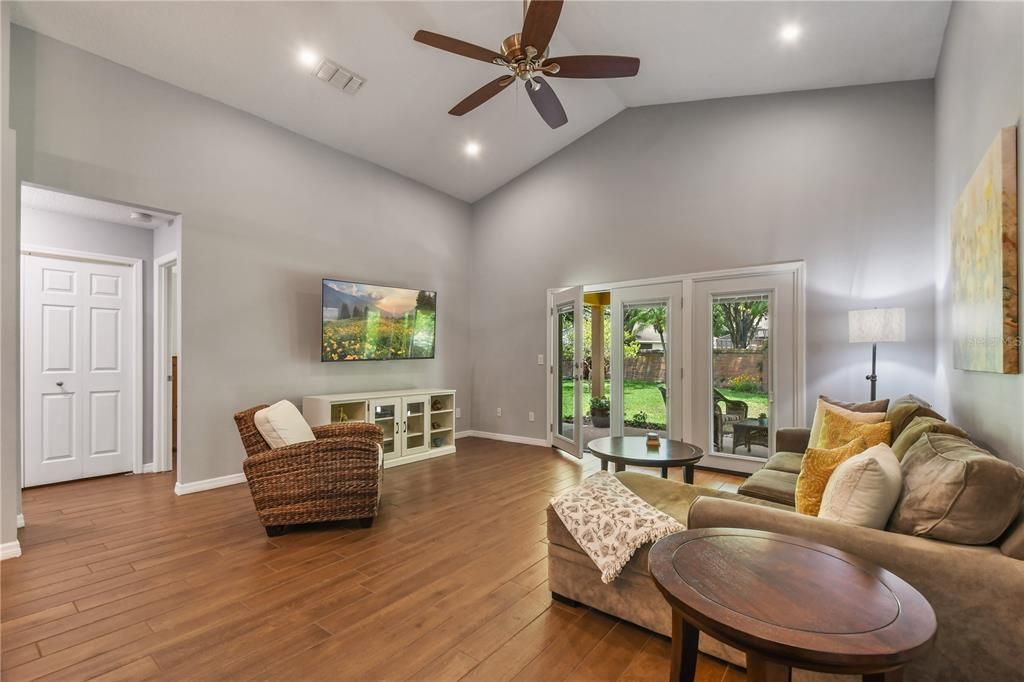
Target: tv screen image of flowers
<point>370,322</point>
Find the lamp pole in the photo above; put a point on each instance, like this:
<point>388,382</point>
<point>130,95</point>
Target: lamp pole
<point>873,378</point>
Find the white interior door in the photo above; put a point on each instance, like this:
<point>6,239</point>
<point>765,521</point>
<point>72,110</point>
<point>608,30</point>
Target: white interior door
<point>567,369</point>
<point>646,360</point>
<point>78,368</point>
<point>746,378</point>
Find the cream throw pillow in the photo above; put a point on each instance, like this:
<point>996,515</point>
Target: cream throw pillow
<point>819,416</point>
<point>864,489</point>
<point>282,424</point>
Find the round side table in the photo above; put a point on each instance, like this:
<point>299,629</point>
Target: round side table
<point>788,603</point>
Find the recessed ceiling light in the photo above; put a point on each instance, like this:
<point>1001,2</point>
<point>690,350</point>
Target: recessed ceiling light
<point>472,148</point>
<point>309,58</point>
<point>790,33</point>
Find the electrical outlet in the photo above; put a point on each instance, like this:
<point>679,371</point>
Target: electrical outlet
<point>499,411</point>
<point>533,417</point>
<point>540,361</point>
<point>458,412</point>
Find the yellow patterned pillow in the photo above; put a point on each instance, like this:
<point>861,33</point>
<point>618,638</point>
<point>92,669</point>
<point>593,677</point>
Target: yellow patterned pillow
<point>837,429</point>
<point>816,468</point>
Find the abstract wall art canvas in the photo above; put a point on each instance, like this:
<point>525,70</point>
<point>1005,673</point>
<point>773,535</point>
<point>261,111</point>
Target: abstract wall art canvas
<point>985,264</point>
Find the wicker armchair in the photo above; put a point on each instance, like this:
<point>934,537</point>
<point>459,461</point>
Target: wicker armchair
<point>335,477</point>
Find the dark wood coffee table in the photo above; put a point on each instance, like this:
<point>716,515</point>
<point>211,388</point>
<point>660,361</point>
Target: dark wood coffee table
<point>787,603</point>
<point>633,451</point>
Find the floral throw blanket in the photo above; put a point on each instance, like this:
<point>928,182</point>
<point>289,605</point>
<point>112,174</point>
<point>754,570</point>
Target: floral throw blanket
<point>610,522</point>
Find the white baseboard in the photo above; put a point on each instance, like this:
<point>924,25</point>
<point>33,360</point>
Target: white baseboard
<point>21,520</point>
<point>208,484</point>
<point>429,454</point>
<point>10,550</point>
<point>507,437</point>
<point>149,468</point>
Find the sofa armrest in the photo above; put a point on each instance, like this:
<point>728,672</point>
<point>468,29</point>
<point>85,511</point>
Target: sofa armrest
<point>976,591</point>
<point>792,439</point>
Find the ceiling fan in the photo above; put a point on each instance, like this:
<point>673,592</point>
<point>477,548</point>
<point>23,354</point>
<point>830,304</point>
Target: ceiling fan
<point>525,54</point>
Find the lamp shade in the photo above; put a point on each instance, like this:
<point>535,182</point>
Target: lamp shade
<point>878,325</point>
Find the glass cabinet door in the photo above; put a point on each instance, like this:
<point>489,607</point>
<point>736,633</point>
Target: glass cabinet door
<point>386,415</point>
<point>415,424</point>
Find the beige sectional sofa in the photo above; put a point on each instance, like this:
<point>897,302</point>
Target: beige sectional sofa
<point>977,591</point>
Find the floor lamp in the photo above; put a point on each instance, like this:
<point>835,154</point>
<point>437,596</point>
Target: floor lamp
<point>878,325</point>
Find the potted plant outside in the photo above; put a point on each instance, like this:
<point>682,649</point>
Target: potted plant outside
<point>762,419</point>
<point>600,412</point>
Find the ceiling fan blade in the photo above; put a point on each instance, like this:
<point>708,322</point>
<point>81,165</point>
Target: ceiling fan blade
<point>478,97</point>
<point>456,46</point>
<point>594,66</point>
<point>546,102</point>
<point>539,23</point>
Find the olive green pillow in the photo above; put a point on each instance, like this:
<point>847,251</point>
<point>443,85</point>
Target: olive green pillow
<point>957,492</point>
<point>919,426</point>
<point>903,410</point>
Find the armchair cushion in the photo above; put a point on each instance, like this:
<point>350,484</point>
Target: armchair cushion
<point>282,424</point>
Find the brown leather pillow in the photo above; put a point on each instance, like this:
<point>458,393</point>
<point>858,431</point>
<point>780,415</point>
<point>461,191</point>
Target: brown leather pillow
<point>904,410</point>
<point>874,406</point>
<point>957,492</point>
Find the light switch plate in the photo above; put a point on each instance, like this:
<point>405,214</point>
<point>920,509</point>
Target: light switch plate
<point>499,411</point>
<point>533,417</point>
<point>458,412</point>
<point>540,359</point>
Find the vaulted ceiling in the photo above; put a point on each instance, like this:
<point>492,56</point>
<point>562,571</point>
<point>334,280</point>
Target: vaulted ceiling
<point>245,55</point>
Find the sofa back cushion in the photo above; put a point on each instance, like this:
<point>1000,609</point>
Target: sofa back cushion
<point>863,490</point>
<point>919,426</point>
<point>957,492</point>
<point>824,407</point>
<point>282,424</point>
<point>904,410</point>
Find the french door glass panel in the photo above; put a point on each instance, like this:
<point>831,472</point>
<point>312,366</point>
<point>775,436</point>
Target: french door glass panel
<point>567,328</point>
<point>646,328</point>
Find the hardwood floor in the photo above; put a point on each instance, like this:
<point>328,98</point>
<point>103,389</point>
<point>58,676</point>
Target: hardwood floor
<point>122,580</point>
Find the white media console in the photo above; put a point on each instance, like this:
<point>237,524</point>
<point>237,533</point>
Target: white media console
<point>417,424</point>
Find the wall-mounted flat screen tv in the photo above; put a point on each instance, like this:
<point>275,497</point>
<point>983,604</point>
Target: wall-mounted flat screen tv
<point>371,322</point>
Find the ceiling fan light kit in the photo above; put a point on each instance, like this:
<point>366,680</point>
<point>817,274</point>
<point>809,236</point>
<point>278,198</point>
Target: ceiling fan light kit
<point>525,54</point>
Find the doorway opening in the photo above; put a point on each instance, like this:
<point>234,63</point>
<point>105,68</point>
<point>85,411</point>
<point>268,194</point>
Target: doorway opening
<point>88,335</point>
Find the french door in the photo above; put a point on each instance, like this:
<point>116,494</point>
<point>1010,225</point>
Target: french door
<point>646,361</point>
<point>745,381</point>
<point>567,370</point>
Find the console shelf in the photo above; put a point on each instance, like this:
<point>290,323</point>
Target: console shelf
<point>417,424</point>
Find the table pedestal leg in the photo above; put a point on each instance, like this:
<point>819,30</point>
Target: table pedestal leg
<point>889,676</point>
<point>761,669</point>
<point>688,474</point>
<point>684,650</point>
<point>604,465</point>
<point>664,472</point>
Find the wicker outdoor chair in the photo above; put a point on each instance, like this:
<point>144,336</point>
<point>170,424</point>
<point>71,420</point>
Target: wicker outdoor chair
<point>333,478</point>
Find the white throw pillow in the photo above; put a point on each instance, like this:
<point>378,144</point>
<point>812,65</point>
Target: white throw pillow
<point>864,489</point>
<point>282,424</point>
<point>819,417</point>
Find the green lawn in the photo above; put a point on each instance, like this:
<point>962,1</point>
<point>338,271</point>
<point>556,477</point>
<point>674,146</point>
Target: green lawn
<point>643,396</point>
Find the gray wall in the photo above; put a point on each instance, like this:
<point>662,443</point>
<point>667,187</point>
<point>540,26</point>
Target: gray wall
<point>265,214</point>
<point>46,228</point>
<point>839,178</point>
<point>979,89</point>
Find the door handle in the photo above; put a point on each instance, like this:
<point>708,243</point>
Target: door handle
<point>60,384</point>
